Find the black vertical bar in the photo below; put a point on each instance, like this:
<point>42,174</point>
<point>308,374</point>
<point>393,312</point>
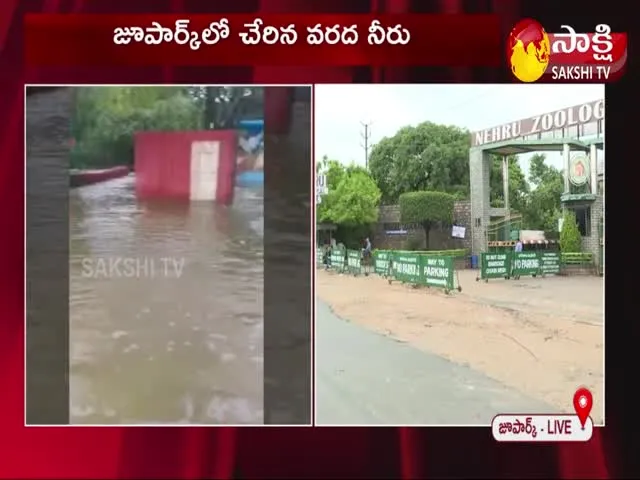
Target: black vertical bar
<point>48,114</point>
<point>287,253</point>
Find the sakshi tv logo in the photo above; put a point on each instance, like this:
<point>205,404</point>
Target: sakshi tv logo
<point>568,56</point>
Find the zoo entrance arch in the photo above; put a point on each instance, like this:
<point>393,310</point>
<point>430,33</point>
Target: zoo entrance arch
<point>577,130</point>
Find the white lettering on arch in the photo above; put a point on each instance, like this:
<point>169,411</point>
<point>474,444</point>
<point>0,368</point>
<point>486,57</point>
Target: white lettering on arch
<point>560,118</point>
<point>584,113</point>
<point>598,110</point>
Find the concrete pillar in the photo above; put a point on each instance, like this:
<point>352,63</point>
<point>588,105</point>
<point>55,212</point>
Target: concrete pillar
<point>505,186</point>
<point>593,166</point>
<point>479,177</point>
<point>566,157</point>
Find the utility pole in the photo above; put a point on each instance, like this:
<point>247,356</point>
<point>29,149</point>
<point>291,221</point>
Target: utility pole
<point>365,137</point>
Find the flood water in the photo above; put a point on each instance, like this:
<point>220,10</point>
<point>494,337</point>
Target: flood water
<point>166,308</point>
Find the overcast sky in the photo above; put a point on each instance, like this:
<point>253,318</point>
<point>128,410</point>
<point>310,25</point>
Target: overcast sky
<point>341,109</point>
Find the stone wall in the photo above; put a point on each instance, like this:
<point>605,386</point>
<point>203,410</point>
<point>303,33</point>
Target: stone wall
<point>439,238</point>
<point>591,243</point>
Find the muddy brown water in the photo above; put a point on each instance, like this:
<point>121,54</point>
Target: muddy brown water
<point>166,309</point>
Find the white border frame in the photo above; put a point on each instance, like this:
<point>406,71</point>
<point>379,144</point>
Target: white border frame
<point>420,425</point>
<point>312,292</point>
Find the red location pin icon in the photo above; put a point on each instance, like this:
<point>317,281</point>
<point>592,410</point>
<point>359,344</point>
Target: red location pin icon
<point>583,402</point>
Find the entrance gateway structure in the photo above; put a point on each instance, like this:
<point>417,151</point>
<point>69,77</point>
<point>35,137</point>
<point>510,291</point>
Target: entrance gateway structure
<point>577,132</point>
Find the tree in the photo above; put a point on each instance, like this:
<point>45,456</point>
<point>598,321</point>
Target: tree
<point>570,239</point>
<point>351,203</point>
<point>106,119</point>
<point>518,186</point>
<point>436,157</point>
<point>353,196</point>
<point>432,157</point>
<point>427,209</point>
<point>357,199</point>
<point>425,157</point>
<point>542,209</point>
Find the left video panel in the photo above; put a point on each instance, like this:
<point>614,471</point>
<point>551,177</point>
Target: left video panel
<point>147,255</point>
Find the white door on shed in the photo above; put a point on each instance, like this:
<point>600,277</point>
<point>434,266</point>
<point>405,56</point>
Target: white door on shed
<point>205,159</point>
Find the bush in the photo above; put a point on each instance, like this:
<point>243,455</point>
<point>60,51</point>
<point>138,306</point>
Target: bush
<point>570,238</point>
<point>107,119</point>
<point>426,209</point>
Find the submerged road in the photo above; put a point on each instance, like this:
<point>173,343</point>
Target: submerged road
<point>166,308</point>
<point>366,378</point>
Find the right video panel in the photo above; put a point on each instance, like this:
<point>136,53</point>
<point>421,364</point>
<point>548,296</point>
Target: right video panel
<point>459,252</point>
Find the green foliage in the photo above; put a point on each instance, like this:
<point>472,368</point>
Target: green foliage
<point>425,157</point>
<point>518,186</point>
<point>436,157</point>
<point>427,209</point>
<point>106,118</point>
<point>353,196</point>
<point>570,239</point>
<point>542,208</point>
<point>352,236</point>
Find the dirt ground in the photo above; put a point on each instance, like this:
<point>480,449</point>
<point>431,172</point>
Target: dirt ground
<point>542,336</point>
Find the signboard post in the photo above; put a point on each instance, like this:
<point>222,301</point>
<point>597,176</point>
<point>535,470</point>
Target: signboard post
<point>495,265</point>
<point>550,263</point>
<point>337,259</point>
<point>525,263</point>
<point>381,262</point>
<point>353,262</point>
<point>406,268</point>
<point>438,271</point>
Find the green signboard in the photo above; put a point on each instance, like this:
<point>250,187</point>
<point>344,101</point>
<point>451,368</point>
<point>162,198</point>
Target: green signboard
<point>353,262</point>
<point>438,272</point>
<point>550,263</point>
<point>495,265</point>
<point>337,259</point>
<point>319,254</point>
<point>406,268</point>
<point>381,262</point>
<point>525,263</point>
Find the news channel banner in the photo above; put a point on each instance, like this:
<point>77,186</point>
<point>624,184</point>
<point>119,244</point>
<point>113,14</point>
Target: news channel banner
<point>566,56</point>
<point>535,427</point>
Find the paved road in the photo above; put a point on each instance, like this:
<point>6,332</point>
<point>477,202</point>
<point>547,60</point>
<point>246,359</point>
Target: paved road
<point>366,378</point>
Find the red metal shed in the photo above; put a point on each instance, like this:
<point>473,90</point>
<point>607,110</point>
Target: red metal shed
<point>189,165</point>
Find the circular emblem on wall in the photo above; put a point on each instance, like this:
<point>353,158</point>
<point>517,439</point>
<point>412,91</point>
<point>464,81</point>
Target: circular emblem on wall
<point>579,170</point>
